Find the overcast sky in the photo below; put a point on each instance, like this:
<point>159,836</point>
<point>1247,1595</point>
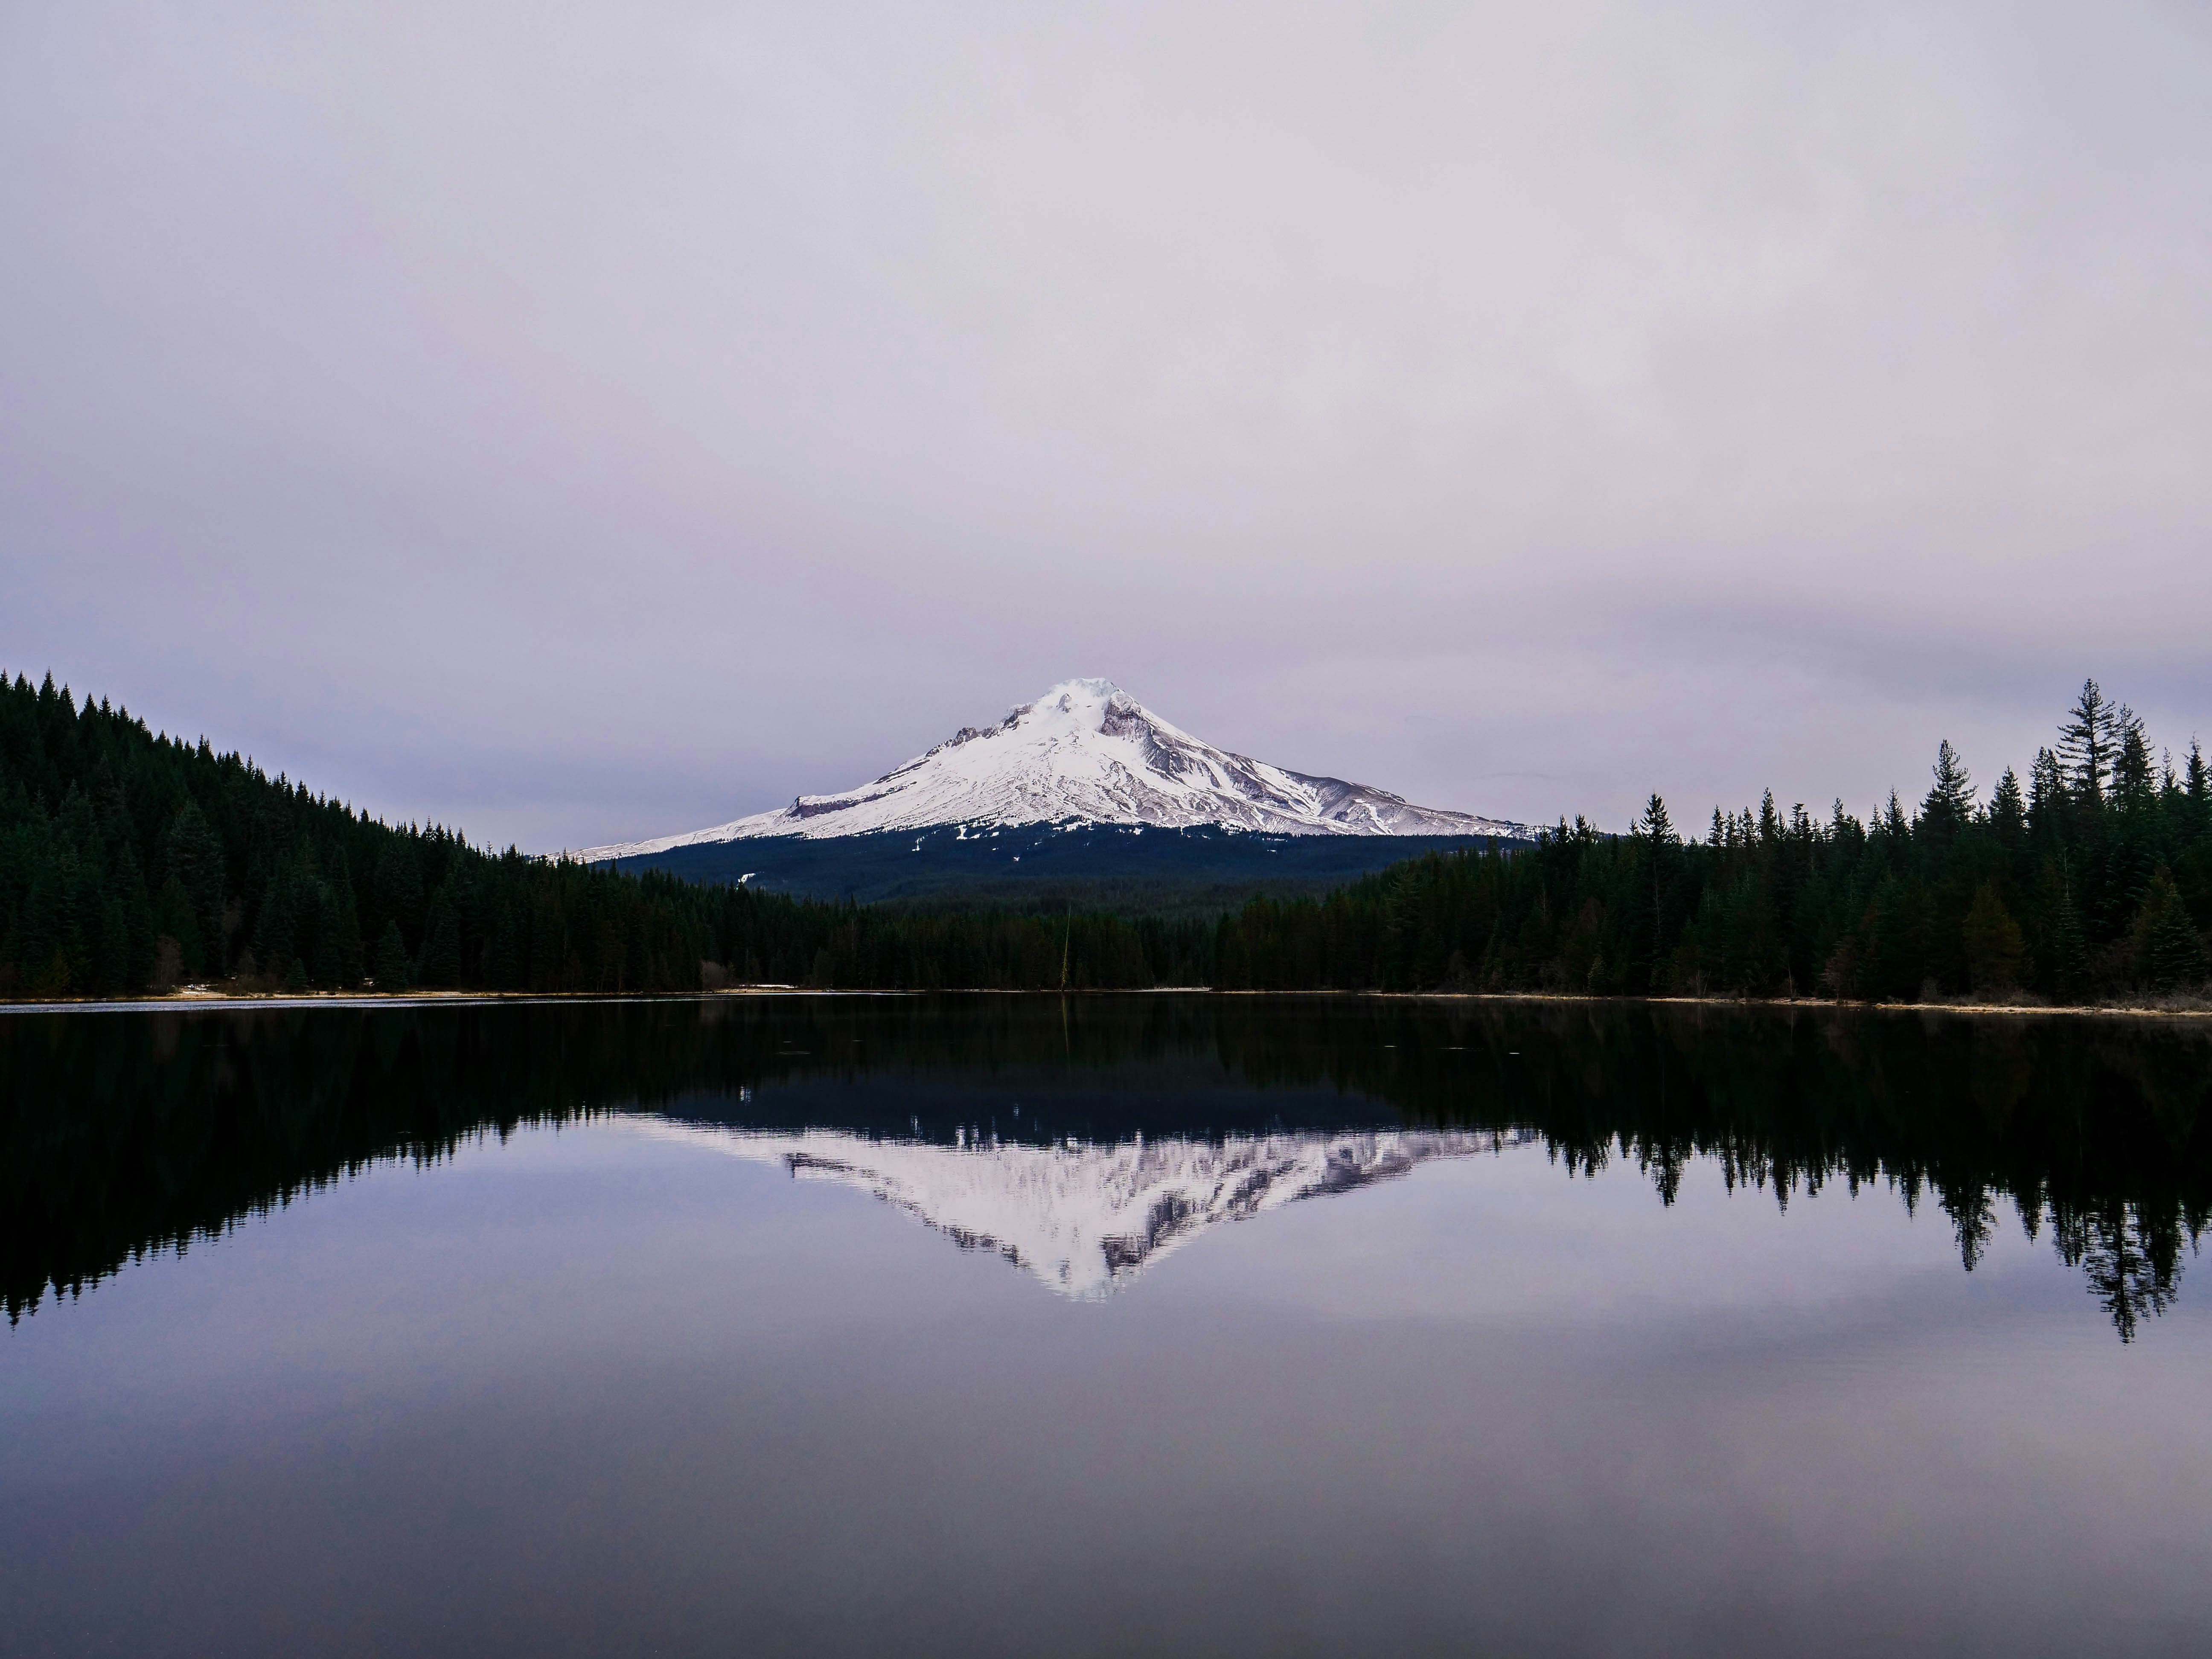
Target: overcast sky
<point>579,422</point>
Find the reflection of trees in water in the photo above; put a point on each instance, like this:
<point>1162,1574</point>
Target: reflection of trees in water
<point>2131,1259</point>
<point>120,1134</point>
<point>1973,1221</point>
<point>2090,1126</point>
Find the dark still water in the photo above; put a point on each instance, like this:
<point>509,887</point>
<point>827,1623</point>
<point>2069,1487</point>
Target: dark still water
<point>1002,1326</point>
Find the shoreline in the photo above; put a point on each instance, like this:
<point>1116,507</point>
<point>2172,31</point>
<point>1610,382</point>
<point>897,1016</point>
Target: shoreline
<point>191,999</point>
<point>2109,1010</point>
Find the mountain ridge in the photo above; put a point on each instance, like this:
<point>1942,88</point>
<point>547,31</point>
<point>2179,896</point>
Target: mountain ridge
<point>1085,753</point>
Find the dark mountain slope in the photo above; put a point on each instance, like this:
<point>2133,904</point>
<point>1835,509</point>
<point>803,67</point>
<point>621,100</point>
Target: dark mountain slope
<point>1093,866</point>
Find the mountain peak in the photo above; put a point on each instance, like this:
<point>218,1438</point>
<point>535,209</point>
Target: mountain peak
<point>1087,752</point>
<point>1070,692</point>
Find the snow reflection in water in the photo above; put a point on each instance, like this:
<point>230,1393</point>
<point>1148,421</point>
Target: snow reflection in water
<point>1082,1218</point>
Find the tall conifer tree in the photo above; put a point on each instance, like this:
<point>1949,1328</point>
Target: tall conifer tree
<point>2087,741</point>
<point>2008,809</point>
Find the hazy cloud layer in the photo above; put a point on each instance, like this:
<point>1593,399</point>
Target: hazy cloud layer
<point>587,422</point>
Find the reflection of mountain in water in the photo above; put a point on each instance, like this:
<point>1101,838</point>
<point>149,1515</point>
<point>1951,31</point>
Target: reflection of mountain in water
<point>121,1134</point>
<point>1086,1218</point>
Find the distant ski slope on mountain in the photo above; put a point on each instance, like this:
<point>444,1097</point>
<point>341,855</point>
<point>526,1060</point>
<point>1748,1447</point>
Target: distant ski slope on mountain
<point>1085,755</point>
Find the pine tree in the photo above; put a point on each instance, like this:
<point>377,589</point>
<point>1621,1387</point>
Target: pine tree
<point>398,885</point>
<point>1655,830</point>
<point>393,971</point>
<point>2008,809</point>
<point>1897,940</point>
<point>442,942</point>
<point>2086,742</point>
<point>111,973</point>
<point>276,938</point>
<point>1950,804</point>
<point>174,920</point>
<point>2132,782</point>
<point>351,958</point>
<point>2046,798</point>
<point>1993,942</point>
<point>2169,955</point>
<point>138,918</point>
<point>1892,831</point>
<point>502,963</point>
<point>195,859</point>
<point>327,966</point>
<point>2062,951</point>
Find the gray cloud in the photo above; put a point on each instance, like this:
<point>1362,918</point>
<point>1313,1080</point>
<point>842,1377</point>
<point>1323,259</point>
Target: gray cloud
<point>582,424</point>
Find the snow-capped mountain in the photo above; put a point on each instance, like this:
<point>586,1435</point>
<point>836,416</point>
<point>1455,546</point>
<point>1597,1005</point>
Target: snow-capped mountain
<point>1086,753</point>
<point>1084,1219</point>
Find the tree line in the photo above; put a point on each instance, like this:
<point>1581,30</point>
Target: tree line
<point>2091,878</point>
<point>131,862</point>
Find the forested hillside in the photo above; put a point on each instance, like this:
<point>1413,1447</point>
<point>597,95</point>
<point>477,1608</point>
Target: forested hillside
<point>130,862</point>
<point>2092,878</point>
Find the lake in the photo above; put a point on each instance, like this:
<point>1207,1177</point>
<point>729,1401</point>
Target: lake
<point>1015,1325</point>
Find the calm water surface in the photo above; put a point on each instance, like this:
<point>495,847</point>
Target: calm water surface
<point>996,1326</point>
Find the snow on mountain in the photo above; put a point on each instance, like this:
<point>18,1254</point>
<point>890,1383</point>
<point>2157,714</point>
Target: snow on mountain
<point>1087,752</point>
<point>1085,1218</point>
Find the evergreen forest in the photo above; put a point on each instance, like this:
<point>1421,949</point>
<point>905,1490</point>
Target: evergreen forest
<point>133,863</point>
<point>2090,880</point>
